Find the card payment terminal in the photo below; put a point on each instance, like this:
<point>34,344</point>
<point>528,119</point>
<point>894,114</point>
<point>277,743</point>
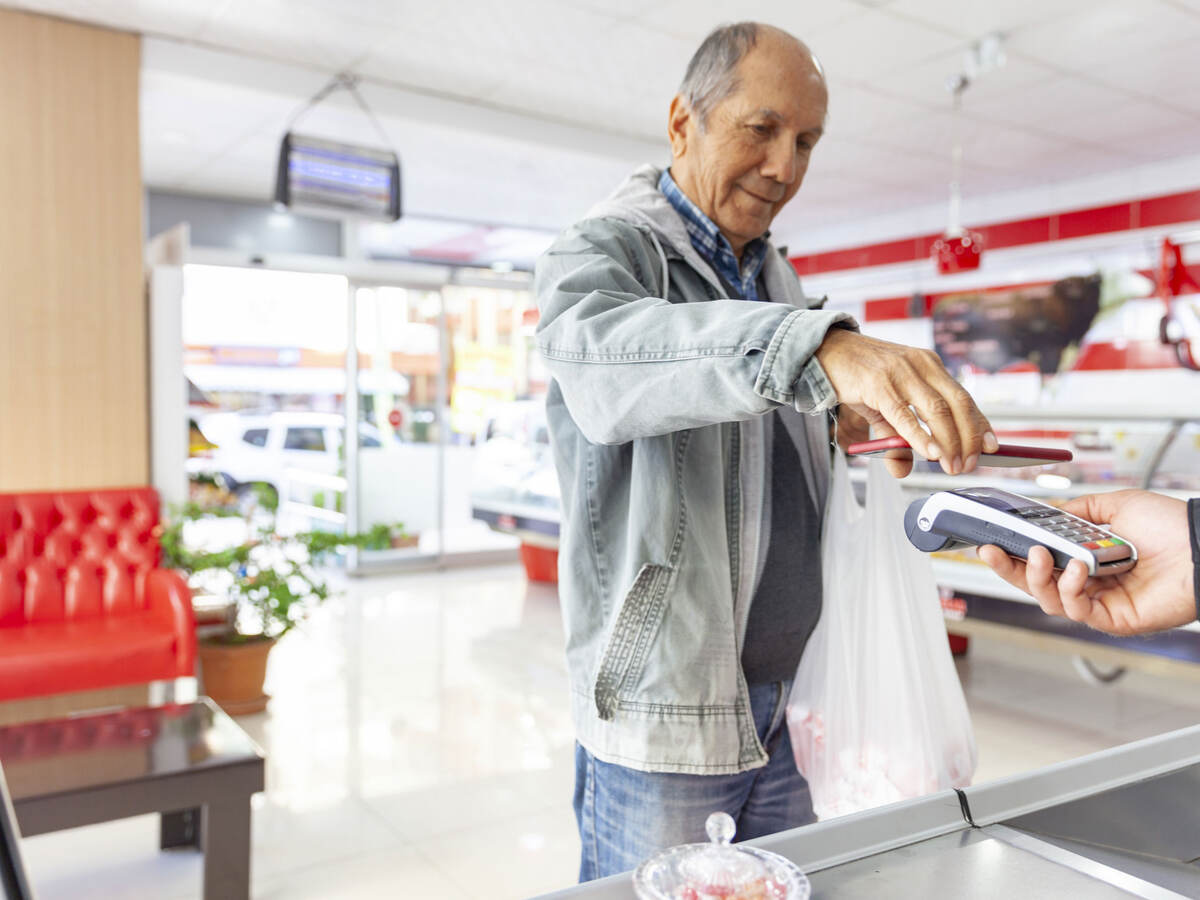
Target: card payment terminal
<point>984,515</point>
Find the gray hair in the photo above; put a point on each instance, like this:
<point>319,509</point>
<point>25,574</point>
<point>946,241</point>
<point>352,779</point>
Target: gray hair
<point>712,73</point>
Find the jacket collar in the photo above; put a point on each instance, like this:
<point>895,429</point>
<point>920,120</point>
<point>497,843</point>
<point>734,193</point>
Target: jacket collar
<point>639,201</point>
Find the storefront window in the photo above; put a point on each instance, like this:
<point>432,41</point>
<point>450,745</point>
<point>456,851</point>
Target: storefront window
<point>264,353</point>
<point>464,354</point>
<point>450,440</point>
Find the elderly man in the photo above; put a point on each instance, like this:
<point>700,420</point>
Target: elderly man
<point>688,430</point>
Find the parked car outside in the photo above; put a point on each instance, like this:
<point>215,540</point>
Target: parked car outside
<point>254,450</point>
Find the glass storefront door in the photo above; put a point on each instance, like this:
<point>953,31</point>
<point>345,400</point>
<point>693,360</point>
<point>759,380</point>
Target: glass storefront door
<point>446,378</point>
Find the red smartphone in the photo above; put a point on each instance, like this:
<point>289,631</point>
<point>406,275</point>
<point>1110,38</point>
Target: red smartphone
<point>1006,454</point>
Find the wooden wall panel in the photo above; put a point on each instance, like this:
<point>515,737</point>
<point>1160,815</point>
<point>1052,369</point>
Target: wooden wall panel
<point>73,356</point>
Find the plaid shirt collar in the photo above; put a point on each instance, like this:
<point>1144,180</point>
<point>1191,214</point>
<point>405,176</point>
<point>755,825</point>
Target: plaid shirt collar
<point>713,246</point>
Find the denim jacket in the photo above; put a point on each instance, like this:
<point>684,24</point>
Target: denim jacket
<point>657,426</point>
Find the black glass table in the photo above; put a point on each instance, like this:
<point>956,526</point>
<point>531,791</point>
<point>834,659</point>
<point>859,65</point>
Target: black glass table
<point>190,762</point>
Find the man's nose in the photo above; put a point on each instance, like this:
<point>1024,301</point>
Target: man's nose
<point>783,162</point>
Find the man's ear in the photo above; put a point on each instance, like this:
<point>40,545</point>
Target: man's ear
<point>679,125</point>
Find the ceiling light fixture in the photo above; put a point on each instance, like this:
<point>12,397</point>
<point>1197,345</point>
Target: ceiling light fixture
<point>960,249</point>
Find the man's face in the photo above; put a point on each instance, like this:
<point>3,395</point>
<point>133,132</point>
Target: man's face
<point>748,160</point>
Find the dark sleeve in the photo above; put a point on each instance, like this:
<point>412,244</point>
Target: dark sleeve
<point>1194,530</point>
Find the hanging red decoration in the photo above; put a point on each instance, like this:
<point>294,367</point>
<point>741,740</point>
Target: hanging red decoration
<point>957,252</point>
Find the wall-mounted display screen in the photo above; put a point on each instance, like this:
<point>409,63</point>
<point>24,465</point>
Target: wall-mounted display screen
<point>329,178</point>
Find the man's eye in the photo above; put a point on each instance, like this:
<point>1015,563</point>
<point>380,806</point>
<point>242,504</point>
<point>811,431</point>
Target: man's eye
<point>761,130</point>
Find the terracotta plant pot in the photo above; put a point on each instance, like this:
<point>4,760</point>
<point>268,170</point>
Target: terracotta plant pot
<point>233,674</point>
<point>407,540</point>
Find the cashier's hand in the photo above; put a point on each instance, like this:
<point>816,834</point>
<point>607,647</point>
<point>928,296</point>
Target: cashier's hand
<point>1154,595</point>
<point>895,387</point>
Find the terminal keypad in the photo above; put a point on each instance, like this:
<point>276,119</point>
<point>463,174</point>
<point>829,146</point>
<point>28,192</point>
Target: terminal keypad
<point>1073,528</point>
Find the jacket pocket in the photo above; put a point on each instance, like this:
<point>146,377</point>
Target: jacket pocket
<point>632,635</point>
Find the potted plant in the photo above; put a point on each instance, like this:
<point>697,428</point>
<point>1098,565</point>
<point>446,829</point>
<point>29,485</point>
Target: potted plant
<point>272,583</point>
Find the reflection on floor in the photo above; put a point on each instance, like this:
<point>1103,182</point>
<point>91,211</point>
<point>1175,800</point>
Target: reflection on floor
<point>419,746</point>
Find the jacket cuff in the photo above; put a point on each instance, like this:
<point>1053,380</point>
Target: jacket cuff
<point>814,393</point>
<point>790,373</point>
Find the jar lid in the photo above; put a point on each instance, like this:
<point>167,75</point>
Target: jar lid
<point>719,870</point>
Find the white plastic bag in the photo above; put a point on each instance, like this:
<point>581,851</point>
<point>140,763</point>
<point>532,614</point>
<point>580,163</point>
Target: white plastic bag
<point>876,712</point>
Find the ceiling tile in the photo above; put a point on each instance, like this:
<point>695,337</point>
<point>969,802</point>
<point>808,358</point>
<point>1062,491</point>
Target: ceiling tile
<point>1074,162</point>
<point>1153,146</point>
<point>618,9</point>
<point>1045,103</point>
<point>894,44</point>
<point>875,163</point>
<point>167,17</point>
<point>534,31</point>
<point>921,134</point>
<point>473,52</point>
<point>627,87</point>
<point>1121,123</point>
<point>1011,150</point>
<point>292,33</point>
<point>1169,75</point>
<point>1106,35</point>
<point>550,94</point>
<point>431,65</point>
<point>856,110</point>
<point>972,19</point>
<point>692,20</point>
<point>926,82</point>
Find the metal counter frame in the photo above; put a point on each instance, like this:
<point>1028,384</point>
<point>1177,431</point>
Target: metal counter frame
<point>1119,823</point>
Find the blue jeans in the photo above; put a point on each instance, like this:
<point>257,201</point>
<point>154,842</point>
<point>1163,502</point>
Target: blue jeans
<point>626,816</point>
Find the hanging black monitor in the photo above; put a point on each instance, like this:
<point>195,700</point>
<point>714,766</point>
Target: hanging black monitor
<point>324,177</point>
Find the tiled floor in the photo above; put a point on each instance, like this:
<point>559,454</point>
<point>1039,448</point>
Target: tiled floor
<point>419,746</point>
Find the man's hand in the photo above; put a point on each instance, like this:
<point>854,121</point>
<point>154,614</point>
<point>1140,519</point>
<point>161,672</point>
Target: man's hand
<point>886,382</point>
<point>849,427</point>
<point>1154,595</point>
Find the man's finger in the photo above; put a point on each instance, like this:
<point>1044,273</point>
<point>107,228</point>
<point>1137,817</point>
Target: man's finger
<point>850,427</point>
<point>961,430</point>
<point>901,464</point>
<point>938,414</point>
<point>960,426</point>
<point>974,430</point>
<point>896,412</point>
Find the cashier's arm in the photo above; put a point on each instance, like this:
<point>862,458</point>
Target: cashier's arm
<point>1156,594</point>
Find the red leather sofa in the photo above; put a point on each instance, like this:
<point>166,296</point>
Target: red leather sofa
<point>83,602</point>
